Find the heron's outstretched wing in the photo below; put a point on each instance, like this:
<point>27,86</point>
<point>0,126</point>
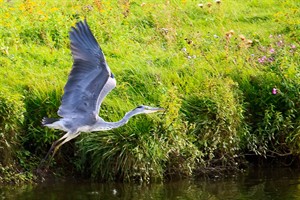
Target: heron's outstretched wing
<point>90,79</point>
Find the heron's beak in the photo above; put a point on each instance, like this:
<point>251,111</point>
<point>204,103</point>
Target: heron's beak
<point>157,109</point>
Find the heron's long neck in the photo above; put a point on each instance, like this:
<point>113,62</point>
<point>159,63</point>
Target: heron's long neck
<point>124,120</point>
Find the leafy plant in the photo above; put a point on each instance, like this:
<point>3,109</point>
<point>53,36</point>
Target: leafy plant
<point>215,117</point>
<point>11,120</point>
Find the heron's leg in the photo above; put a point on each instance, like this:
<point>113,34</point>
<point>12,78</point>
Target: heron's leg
<point>68,138</point>
<point>55,144</point>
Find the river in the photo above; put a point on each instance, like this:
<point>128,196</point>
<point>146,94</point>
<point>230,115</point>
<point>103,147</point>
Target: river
<point>270,183</point>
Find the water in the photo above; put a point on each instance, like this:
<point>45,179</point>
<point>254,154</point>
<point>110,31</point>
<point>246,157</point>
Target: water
<point>281,184</point>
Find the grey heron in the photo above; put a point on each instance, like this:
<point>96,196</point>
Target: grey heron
<point>89,81</point>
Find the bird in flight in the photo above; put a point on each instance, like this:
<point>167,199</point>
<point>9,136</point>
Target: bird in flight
<point>89,81</point>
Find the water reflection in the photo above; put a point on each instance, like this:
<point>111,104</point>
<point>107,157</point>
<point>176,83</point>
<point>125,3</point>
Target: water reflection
<point>256,184</point>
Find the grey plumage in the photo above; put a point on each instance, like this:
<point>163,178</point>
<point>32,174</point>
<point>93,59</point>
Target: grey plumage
<point>89,81</point>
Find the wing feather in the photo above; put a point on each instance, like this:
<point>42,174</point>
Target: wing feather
<point>90,79</point>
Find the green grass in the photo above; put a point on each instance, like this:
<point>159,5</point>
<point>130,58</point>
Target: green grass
<point>206,66</point>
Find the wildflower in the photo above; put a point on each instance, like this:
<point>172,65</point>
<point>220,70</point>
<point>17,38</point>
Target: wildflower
<point>229,34</point>
<point>293,48</point>
<point>209,4</point>
<point>274,91</point>
<point>280,43</point>
<point>53,9</point>
<point>200,5</point>
<point>88,8</point>
<point>216,36</point>
<point>218,1</point>
<point>143,4</point>
<point>272,51</point>
<point>262,59</point>
<point>183,49</point>
<point>165,30</point>
<point>249,42</point>
<point>242,37</point>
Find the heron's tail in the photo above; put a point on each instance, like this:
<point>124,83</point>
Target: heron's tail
<point>47,121</point>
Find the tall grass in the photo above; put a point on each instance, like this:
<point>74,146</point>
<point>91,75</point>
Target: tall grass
<point>12,115</point>
<point>212,66</point>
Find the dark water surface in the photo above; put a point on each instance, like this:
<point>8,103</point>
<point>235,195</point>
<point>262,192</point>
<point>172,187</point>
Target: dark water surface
<point>273,184</point>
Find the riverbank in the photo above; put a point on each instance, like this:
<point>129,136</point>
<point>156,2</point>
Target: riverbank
<point>227,77</point>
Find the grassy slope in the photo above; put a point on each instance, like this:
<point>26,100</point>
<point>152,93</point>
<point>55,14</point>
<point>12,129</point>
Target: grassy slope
<point>168,53</point>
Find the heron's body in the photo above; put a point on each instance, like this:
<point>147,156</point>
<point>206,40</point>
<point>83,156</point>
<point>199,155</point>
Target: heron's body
<point>89,81</point>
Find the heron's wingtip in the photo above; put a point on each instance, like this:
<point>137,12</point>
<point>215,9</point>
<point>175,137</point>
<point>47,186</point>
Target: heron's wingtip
<point>46,121</point>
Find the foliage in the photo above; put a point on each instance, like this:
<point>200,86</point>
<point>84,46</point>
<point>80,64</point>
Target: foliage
<point>11,175</point>
<point>215,117</point>
<point>42,100</point>
<point>227,77</point>
<point>11,119</point>
<point>272,98</point>
<point>124,155</point>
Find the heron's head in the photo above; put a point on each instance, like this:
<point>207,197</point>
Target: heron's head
<point>147,109</point>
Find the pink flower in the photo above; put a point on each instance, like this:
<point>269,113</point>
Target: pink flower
<point>274,91</point>
<point>293,48</point>
<point>272,50</point>
<point>262,59</point>
<point>280,43</point>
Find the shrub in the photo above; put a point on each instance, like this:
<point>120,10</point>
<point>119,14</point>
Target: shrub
<point>271,94</point>
<point>273,118</point>
<point>214,112</point>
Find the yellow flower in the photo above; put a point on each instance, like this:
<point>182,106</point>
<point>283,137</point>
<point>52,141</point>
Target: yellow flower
<point>53,9</point>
